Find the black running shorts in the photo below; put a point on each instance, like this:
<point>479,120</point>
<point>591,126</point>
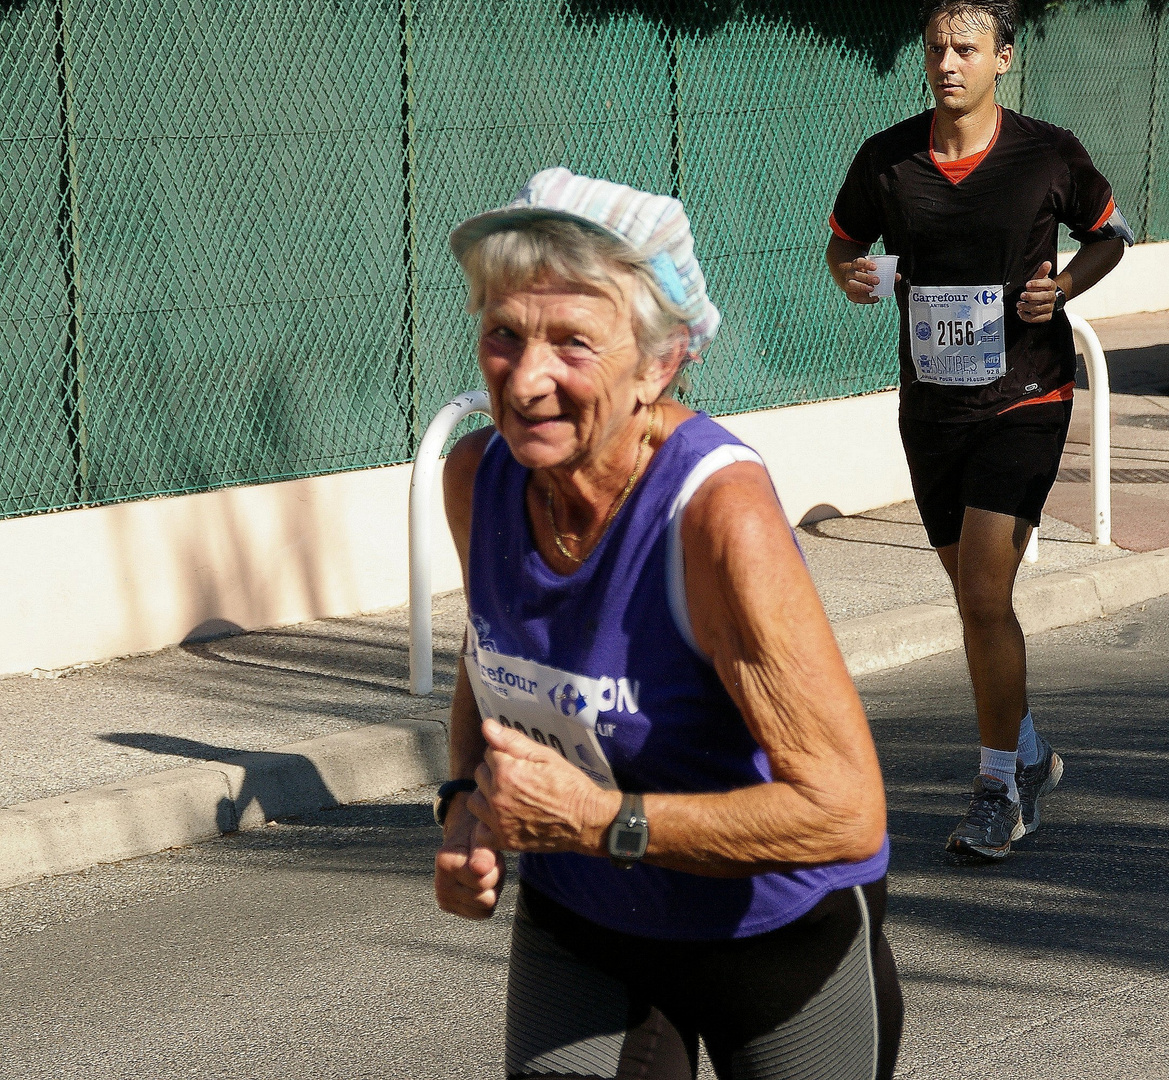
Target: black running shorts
<point>1005,464</point>
<point>815,1000</point>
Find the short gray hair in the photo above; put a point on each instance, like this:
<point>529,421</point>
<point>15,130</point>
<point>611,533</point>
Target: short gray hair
<point>521,254</point>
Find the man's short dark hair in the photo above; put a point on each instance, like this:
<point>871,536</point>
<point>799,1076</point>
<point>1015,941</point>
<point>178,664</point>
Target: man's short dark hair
<point>1001,14</point>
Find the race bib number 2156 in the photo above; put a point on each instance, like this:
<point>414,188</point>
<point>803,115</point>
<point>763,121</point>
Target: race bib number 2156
<point>956,334</point>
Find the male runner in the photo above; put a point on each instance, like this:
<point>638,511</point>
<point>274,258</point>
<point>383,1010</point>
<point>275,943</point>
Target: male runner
<point>970,195</point>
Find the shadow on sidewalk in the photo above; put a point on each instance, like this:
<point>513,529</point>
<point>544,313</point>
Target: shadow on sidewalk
<point>288,654</point>
<point>274,784</point>
<point>346,669</point>
<point>1139,371</point>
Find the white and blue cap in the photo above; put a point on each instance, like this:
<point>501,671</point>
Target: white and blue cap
<point>654,227</point>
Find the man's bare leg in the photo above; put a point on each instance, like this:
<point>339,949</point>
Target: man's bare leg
<point>982,568</point>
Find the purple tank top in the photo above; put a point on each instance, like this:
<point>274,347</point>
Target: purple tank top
<point>601,666</point>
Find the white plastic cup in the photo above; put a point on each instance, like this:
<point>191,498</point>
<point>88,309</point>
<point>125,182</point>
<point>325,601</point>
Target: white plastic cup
<point>887,272</point>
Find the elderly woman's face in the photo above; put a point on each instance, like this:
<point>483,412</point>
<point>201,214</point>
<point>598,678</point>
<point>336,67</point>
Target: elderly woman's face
<point>563,369</point>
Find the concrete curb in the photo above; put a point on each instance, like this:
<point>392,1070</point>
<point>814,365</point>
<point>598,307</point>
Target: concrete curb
<point>891,638</point>
<point>183,806</point>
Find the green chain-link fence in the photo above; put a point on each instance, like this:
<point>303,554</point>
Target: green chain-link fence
<point>224,253</point>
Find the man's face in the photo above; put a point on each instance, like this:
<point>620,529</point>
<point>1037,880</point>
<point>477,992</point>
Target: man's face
<point>961,61</point>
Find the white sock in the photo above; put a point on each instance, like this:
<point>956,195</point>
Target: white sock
<point>1028,743</point>
<point>1001,765</point>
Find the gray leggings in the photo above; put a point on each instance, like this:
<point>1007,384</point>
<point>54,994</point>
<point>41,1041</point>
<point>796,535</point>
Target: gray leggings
<point>815,1000</point>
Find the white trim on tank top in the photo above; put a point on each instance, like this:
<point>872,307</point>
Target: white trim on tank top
<point>718,458</point>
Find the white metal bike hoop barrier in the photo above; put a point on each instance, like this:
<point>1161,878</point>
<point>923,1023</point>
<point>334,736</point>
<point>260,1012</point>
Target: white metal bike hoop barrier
<point>477,401</point>
<point>421,546</point>
<point>1100,437</point>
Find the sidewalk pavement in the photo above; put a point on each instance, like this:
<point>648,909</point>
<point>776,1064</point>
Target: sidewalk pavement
<point>1138,364</point>
<point>110,761</point>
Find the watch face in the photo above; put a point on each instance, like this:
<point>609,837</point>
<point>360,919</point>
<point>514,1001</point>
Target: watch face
<point>628,843</point>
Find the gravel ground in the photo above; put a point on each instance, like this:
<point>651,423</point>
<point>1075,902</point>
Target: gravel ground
<point>186,704</point>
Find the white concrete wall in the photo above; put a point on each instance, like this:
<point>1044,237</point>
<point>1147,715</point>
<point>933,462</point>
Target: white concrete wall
<point>1139,283</point>
<point>86,585</point>
<point>830,458</point>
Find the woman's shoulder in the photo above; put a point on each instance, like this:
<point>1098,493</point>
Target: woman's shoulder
<point>462,464</point>
<point>728,491</point>
<point>736,502</point>
<point>468,450</point>
<point>697,431</point>
<point>702,447</point>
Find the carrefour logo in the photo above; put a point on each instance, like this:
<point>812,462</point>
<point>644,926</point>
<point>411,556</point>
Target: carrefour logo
<point>567,698</point>
<point>986,297</point>
<point>611,695</point>
<point>937,298</point>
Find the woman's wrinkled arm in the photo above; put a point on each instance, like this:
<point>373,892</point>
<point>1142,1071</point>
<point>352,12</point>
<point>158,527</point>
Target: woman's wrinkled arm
<point>756,614</point>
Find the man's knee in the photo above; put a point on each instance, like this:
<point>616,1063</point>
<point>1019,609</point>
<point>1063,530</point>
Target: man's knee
<point>985,603</point>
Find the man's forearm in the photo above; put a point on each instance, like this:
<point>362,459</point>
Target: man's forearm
<point>841,254</point>
<point>1091,263</point>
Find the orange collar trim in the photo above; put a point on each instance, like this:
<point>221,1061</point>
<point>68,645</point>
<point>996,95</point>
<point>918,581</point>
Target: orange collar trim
<point>957,171</point>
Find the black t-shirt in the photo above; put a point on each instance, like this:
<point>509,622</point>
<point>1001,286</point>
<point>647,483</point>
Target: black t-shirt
<point>996,225</point>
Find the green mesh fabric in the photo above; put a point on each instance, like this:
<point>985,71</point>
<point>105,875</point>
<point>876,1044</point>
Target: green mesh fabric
<point>225,258</point>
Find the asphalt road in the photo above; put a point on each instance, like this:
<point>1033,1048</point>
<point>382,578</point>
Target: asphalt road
<point>1054,963</point>
<point>312,949</point>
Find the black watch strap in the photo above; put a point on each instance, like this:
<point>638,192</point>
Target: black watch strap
<point>1061,298</point>
<point>629,833</point>
<point>446,792</point>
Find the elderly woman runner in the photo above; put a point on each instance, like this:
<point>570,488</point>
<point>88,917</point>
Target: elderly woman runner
<point>651,706</point>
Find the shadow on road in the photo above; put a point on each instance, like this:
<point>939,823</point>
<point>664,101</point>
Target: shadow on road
<point>374,839</point>
<point>396,838</point>
<point>1092,880</point>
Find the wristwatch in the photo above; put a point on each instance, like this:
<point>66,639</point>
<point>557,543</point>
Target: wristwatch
<point>446,792</point>
<point>629,833</point>
<point>1061,298</point>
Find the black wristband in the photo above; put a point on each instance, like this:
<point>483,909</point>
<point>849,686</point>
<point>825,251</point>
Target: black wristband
<point>446,792</point>
<point>629,834</point>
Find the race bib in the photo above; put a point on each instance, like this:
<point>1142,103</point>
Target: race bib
<point>956,334</point>
<point>556,708</point>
